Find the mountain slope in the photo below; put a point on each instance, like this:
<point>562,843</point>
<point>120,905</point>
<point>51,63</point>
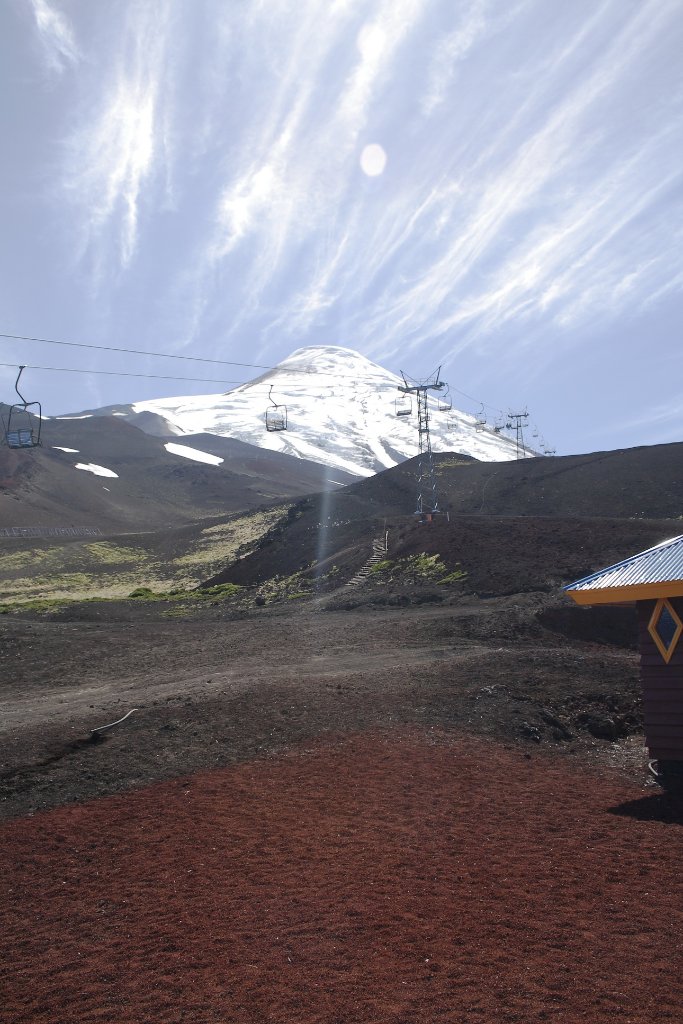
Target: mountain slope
<point>537,519</point>
<point>103,472</point>
<point>341,412</point>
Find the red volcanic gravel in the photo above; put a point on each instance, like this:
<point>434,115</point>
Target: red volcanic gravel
<point>394,877</point>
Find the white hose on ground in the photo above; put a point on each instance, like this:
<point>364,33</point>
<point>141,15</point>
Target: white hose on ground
<point>101,728</point>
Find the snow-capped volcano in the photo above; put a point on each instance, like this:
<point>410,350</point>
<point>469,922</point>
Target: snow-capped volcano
<point>342,410</point>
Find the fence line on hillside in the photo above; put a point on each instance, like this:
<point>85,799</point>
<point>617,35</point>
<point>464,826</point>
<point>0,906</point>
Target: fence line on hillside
<point>50,531</point>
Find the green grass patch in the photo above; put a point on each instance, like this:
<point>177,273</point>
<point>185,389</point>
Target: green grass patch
<point>415,569</point>
<point>382,566</point>
<point>24,559</point>
<point>443,464</point>
<point>44,604</point>
<point>282,588</point>
<point>454,577</point>
<point>106,553</point>
<point>222,590</point>
<point>218,545</point>
<point>144,594</point>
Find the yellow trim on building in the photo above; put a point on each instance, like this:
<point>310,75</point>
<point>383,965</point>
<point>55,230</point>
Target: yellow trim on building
<point>627,595</point>
<point>666,652</point>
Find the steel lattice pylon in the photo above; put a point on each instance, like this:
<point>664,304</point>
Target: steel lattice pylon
<point>427,498</point>
<point>519,421</point>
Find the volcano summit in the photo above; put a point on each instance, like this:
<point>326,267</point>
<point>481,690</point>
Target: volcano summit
<point>341,413</point>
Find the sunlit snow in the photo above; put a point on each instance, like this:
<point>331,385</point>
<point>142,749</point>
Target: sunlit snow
<point>91,467</point>
<point>341,413</point>
<point>192,453</point>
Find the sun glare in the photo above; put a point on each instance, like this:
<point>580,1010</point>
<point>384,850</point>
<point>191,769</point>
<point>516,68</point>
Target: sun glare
<point>373,160</point>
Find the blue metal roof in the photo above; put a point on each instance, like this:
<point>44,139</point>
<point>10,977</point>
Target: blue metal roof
<point>660,564</point>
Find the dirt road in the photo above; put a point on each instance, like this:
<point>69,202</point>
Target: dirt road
<point>218,686</point>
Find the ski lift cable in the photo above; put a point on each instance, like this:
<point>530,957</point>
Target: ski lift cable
<point>121,373</point>
<point>311,389</point>
<point>300,388</point>
<point>157,376</point>
<point>138,352</point>
<point>478,401</point>
<point>157,355</point>
<point>171,355</point>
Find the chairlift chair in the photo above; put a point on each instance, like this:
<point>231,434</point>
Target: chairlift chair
<point>403,406</point>
<point>444,402</point>
<point>480,420</point>
<point>23,426</point>
<point>276,418</point>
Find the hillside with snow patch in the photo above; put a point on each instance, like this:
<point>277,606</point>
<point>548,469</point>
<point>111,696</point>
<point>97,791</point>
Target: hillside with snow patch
<point>341,412</point>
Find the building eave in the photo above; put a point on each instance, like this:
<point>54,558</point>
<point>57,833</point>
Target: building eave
<point>627,594</point>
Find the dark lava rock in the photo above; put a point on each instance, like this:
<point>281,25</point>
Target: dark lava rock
<point>598,724</point>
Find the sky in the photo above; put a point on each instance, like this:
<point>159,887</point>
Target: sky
<point>493,186</point>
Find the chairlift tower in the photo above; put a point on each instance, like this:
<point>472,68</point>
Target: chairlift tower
<point>427,500</point>
<point>518,421</point>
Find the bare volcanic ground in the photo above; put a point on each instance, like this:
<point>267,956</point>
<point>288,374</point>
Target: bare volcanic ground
<point>400,802</point>
<point>518,526</point>
<point>403,875</point>
<point>146,486</point>
<point>377,815</point>
<point>219,686</point>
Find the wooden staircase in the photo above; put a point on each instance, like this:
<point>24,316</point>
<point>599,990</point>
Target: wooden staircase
<point>379,553</point>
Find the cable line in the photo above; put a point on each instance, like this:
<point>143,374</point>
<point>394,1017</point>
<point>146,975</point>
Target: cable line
<point>157,376</point>
<point>160,355</point>
<point>136,352</point>
<point>194,359</point>
<point>477,401</point>
<point>121,373</point>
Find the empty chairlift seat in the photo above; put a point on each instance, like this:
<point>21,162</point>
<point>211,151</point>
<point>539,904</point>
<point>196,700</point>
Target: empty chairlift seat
<point>276,415</point>
<point>24,421</point>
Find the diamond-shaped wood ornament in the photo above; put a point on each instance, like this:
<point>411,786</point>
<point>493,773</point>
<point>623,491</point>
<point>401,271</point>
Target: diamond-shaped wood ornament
<point>665,628</point>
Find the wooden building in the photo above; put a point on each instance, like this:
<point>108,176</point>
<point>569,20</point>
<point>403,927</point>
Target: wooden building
<point>653,582</point>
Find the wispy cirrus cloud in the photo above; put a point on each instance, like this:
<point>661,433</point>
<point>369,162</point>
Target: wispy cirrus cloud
<point>56,34</point>
<point>660,420</point>
<point>534,211</point>
<point>454,47</point>
<point>119,146</point>
<point>532,165</point>
<point>287,182</point>
<point>571,260</point>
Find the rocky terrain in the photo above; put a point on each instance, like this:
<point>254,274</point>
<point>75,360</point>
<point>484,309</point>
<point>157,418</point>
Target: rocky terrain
<point>355,717</point>
<point>460,621</point>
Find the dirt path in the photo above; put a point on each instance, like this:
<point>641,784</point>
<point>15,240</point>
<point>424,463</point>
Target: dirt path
<point>213,689</point>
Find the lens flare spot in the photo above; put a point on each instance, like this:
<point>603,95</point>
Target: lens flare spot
<point>373,160</point>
